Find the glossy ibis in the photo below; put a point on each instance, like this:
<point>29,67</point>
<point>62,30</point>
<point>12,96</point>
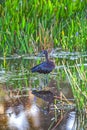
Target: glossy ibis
<point>45,67</point>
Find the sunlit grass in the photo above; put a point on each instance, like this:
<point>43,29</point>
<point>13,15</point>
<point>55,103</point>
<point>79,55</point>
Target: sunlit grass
<point>27,26</point>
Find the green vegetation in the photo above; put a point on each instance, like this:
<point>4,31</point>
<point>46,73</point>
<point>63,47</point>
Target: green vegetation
<point>78,80</point>
<point>27,25</point>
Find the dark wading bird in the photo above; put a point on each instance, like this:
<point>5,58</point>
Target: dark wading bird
<point>45,67</point>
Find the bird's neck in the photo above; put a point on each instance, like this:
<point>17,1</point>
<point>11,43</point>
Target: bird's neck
<point>46,55</point>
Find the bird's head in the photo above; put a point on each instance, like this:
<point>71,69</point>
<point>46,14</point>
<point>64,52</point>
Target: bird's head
<point>44,52</point>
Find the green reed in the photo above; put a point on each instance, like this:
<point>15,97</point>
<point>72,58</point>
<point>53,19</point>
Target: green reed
<point>29,25</point>
<point>78,78</point>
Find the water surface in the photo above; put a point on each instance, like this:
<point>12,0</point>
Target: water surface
<point>21,110</point>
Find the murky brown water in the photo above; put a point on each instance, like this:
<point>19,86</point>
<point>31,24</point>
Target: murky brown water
<point>21,110</point>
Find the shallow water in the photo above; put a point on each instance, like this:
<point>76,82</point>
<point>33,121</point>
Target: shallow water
<point>17,104</point>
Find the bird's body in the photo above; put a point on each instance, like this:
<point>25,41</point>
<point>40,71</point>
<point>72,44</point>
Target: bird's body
<point>45,67</point>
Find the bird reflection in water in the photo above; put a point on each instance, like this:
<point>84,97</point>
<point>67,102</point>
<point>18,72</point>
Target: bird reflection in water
<point>17,119</point>
<point>47,96</point>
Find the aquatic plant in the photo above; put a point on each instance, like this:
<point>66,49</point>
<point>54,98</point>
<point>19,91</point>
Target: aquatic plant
<point>77,78</point>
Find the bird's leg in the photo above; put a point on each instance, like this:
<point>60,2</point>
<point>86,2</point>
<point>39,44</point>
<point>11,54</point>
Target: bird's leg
<point>41,82</point>
<point>46,80</point>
